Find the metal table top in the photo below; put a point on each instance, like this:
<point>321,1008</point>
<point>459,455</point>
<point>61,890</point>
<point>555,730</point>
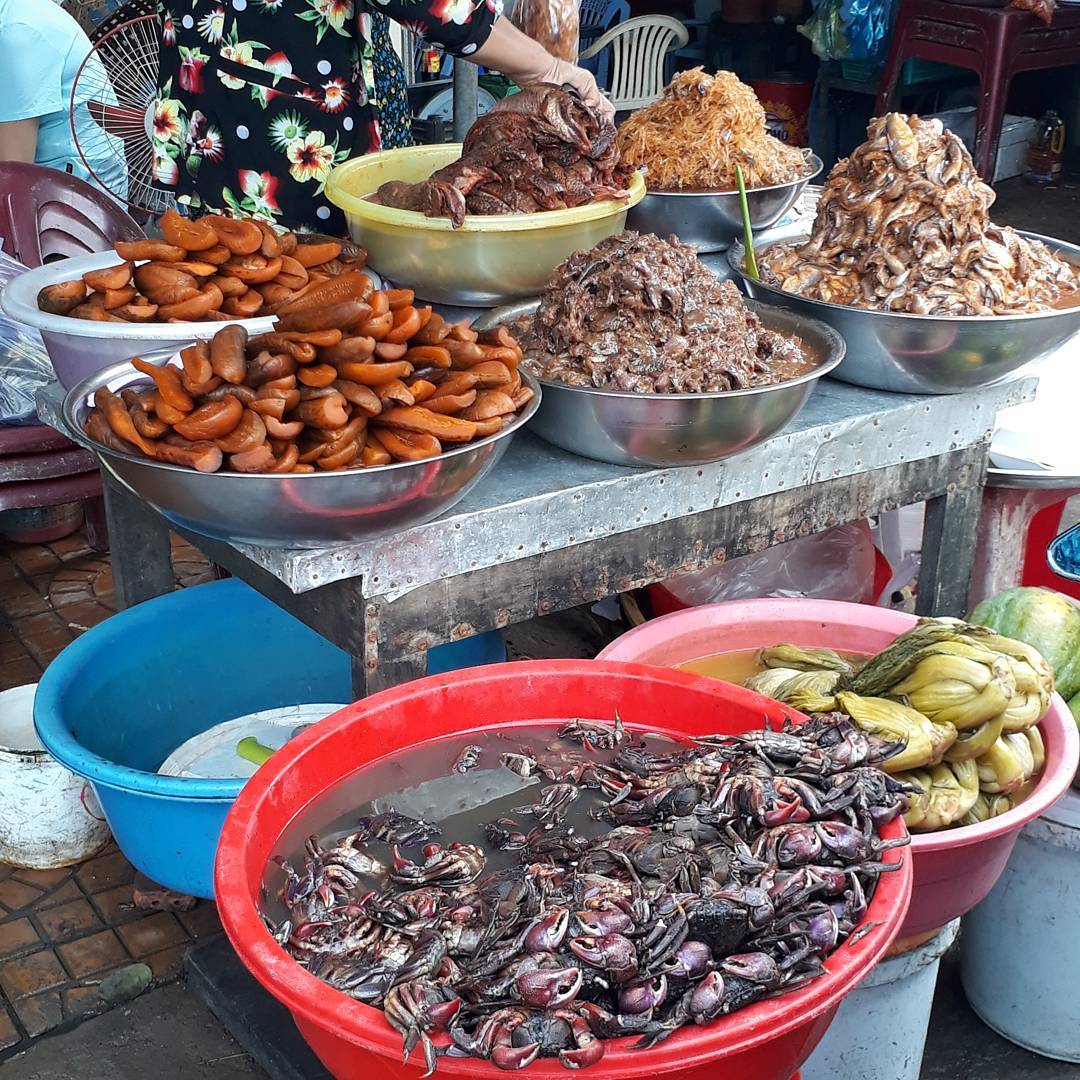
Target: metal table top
<point>541,499</point>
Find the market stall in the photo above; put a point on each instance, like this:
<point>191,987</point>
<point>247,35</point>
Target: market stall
<point>687,891</point>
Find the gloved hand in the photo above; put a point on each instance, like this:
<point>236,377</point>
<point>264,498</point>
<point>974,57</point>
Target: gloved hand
<point>562,73</point>
<point>513,53</point>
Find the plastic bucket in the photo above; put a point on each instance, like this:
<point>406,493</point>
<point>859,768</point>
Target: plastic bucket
<point>118,700</point>
<point>954,869</point>
<point>879,1031</point>
<point>48,815</point>
<point>1020,951</point>
<point>490,259</point>
<point>767,1041</point>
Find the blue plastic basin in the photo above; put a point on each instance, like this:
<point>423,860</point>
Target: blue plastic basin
<point>118,700</point>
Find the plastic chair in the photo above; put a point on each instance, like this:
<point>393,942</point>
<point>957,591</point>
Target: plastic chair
<point>995,43</point>
<point>594,18</point>
<point>45,214</point>
<point>639,49</point>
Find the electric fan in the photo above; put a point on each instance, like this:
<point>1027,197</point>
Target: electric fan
<point>118,82</point>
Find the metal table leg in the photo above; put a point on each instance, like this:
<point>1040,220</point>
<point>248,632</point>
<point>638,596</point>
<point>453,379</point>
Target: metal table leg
<point>141,553</point>
<point>949,534</point>
<point>338,611</point>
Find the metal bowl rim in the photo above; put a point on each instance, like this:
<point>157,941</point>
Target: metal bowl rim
<point>811,159</point>
<point>78,394</point>
<point>735,257</point>
<point>837,353</point>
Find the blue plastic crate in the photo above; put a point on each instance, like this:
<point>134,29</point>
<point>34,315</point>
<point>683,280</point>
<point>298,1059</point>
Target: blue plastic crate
<point>1064,554</point>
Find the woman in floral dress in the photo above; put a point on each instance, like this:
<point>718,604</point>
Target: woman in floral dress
<point>259,99</point>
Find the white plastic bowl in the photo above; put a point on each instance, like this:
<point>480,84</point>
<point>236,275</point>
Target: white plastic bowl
<point>78,347</point>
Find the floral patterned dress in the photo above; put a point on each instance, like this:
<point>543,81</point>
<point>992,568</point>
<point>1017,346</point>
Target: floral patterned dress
<point>259,99</point>
<point>388,90</point>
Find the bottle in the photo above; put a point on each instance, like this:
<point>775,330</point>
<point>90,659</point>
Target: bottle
<point>1044,153</point>
<point>430,64</point>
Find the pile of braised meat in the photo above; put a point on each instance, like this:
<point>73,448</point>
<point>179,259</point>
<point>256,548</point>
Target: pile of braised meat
<point>904,225</point>
<point>643,314</point>
<point>541,149</point>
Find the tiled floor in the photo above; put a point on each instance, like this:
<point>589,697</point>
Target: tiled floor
<point>62,931</point>
<point>51,593</point>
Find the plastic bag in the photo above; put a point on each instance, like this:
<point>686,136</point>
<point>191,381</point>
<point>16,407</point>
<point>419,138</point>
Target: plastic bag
<point>24,363</point>
<point>849,29</point>
<point>553,23</point>
<point>825,31</point>
<point>866,24</point>
<point>837,564</point>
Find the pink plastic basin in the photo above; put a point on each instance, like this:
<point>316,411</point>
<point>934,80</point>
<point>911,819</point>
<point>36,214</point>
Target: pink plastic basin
<point>767,1041</point>
<point>954,869</point>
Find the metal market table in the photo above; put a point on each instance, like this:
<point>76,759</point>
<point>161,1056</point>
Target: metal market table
<point>546,531</point>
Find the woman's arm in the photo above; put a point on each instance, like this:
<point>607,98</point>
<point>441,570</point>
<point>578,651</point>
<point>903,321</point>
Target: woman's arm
<point>515,54</point>
<point>474,30</point>
<point>18,140</point>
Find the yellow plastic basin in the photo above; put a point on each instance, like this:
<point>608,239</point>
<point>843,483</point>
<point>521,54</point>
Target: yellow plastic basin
<point>490,260</point>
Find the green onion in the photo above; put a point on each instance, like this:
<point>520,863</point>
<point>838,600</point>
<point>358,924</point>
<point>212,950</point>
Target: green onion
<point>748,235</point>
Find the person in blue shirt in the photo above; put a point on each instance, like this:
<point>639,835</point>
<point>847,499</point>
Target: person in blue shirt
<point>41,50</point>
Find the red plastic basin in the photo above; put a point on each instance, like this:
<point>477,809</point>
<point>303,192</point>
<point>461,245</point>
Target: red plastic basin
<point>954,869</point>
<point>767,1041</point>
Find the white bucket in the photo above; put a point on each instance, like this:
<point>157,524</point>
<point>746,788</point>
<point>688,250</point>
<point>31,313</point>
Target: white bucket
<point>879,1031</point>
<point>48,815</point>
<point>212,753</point>
<point>1021,949</point>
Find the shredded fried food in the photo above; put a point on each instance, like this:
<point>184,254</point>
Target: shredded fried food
<point>692,138</point>
<point>904,225</point>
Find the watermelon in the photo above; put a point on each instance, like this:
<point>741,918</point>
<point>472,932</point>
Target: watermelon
<point>1074,708</point>
<point>1046,621</point>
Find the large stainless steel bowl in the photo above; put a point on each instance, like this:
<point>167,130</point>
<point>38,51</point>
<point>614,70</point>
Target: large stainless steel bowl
<point>712,220</point>
<point>926,354</point>
<point>309,510</point>
<point>676,429</point>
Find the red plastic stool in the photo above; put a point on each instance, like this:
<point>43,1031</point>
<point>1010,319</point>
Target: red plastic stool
<point>1042,532</point>
<point>995,43</point>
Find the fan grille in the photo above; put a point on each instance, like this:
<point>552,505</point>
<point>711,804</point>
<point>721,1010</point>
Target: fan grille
<point>118,81</point>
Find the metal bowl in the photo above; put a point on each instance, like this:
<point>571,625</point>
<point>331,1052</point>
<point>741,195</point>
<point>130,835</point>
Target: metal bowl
<point>712,220</point>
<point>490,259</point>
<point>664,430</point>
<point>303,510</point>
<point>927,354</point>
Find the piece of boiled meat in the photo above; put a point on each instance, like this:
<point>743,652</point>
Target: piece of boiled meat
<point>540,149</point>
